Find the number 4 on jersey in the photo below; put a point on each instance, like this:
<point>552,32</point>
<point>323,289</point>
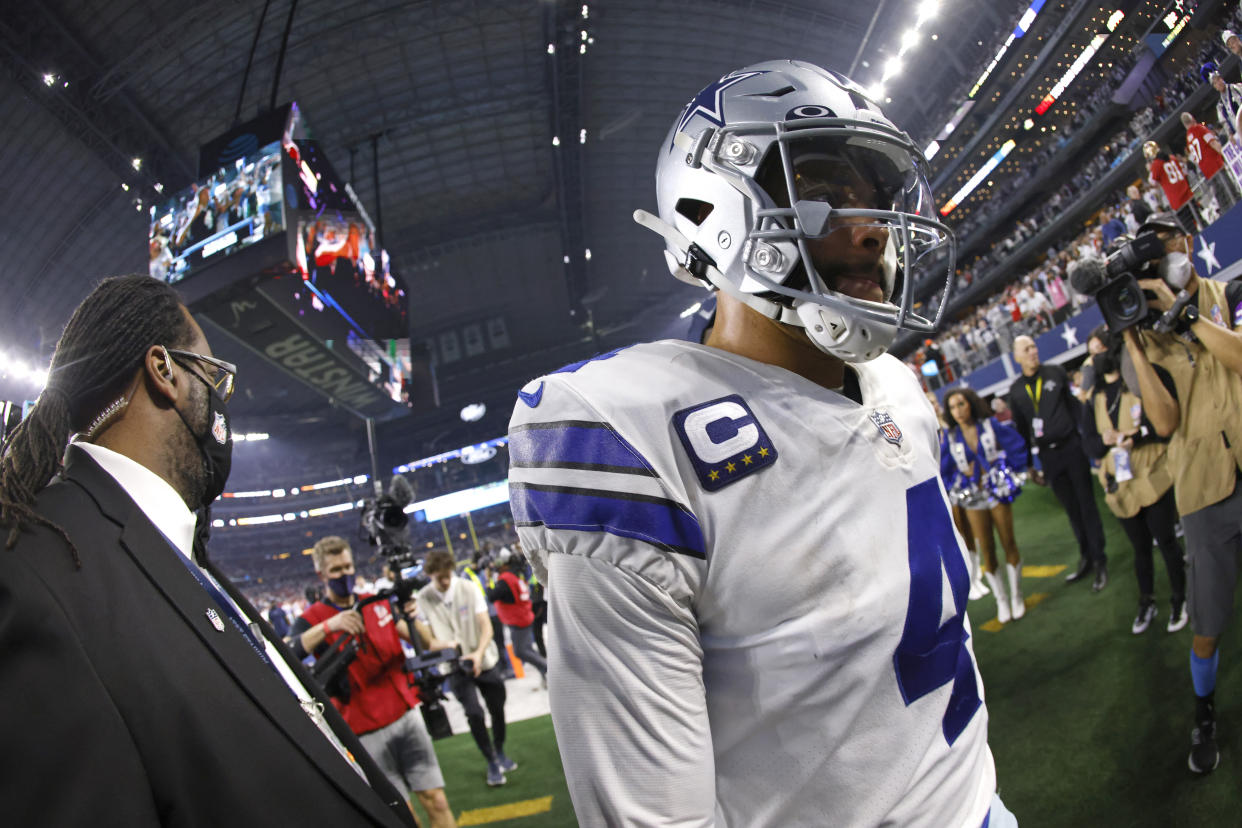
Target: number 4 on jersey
<point>931,654</point>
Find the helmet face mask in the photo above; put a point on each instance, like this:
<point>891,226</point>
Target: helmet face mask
<point>771,187</point>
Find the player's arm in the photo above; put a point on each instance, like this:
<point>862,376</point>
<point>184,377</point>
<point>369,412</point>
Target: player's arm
<point>1159,405</point>
<point>627,697</point>
<point>1224,342</point>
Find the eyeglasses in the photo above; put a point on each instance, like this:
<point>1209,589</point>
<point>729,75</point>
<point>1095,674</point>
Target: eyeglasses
<point>221,376</point>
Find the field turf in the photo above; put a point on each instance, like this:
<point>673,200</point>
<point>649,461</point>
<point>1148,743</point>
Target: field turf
<point>1090,725</point>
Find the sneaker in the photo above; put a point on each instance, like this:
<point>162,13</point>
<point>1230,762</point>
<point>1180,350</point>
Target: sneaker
<point>505,763</point>
<point>1146,614</point>
<point>1204,757</point>
<point>495,776</point>
<point>1177,616</point>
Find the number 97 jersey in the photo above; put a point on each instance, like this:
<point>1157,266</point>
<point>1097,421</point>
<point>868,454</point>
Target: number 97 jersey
<point>757,598</point>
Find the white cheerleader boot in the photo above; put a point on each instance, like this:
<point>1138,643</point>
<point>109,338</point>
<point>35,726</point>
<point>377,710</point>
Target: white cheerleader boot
<point>1015,590</point>
<point>1003,613</point>
<point>977,587</point>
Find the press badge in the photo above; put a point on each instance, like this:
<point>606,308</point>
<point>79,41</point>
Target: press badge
<point>1121,465</point>
<point>1136,412</point>
<point>1037,425</point>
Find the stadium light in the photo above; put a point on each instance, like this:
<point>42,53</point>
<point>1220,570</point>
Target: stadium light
<point>909,40</point>
<point>892,68</point>
<point>49,79</point>
<point>927,10</point>
<point>136,163</point>
<point>556,140</point>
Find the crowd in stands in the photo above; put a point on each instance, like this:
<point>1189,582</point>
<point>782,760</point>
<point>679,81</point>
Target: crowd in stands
<point>1042,297</point>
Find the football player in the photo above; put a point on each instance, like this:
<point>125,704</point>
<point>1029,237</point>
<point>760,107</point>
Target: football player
<point>757,594</point>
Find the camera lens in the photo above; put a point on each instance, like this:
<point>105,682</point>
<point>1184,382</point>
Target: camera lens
<point>1128,302</point>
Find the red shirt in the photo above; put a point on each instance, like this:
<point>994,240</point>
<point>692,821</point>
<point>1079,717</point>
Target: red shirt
<point>379,690</point>
<point>1207,159</point>
<point>518,613</point>
<point>1172,177</point>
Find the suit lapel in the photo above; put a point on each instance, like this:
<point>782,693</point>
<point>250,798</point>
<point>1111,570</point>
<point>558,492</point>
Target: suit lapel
<point>155,556</point>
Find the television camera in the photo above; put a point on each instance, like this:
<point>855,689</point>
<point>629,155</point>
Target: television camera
<point>1114,284</point>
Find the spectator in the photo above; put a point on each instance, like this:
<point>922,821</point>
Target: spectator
<point>1204,149</point>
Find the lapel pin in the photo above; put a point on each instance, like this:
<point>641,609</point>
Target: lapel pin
<point>214,618</point>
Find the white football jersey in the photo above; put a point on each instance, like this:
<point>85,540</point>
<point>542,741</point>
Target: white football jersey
<point>756,593</point>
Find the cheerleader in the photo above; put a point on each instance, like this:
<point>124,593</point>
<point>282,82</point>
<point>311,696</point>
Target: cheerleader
<point>979,460</point>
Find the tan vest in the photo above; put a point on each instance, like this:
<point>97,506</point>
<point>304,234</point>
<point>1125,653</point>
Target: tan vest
<point>1205,452</point>
<point>449,622</point>
<point>1147,462</point>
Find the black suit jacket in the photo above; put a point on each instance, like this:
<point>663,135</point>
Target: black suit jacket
<point>123,705</point>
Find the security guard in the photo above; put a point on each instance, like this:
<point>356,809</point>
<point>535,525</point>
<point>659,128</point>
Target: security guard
<point>1205,452</point>
<point>1046,414</point>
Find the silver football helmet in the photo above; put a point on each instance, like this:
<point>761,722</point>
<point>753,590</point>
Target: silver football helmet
<point>767,163</point>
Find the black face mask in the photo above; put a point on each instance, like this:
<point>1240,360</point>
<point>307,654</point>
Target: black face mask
<point>215,444</point>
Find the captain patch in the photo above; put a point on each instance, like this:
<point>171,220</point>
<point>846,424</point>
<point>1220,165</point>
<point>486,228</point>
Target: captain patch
<point>724,441</point>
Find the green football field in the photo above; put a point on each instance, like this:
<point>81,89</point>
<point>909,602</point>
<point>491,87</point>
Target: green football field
<point>1090,725</point>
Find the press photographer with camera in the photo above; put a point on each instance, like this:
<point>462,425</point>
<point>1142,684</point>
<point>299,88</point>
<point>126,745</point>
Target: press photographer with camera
<point>453,613</point>
<point>1190,327</point>
<point>372,690</point>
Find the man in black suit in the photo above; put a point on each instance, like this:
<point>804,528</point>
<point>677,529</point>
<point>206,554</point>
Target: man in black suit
<point>139,686</point>
<point>1046,415</point>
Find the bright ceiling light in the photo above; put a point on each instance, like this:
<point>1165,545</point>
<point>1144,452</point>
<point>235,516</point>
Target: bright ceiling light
<point>49,79</point>
<point>876,91</point>
<point>136,163</point>
<point>927,10</point>
<point>556,140</point>
<point>892,68</point>
<point>551,48</point>
<point>909,40</point>
<point>38,377</point>
<point>587,254</point>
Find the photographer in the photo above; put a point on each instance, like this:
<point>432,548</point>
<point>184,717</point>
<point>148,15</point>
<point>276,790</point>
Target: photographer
<point>453,613</point>
<point>1134,472</point>
<point>1204,357</point>
<point>373,693</point>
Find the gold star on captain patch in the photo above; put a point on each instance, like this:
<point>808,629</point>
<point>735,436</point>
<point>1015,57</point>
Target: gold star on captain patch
<point>746,459</point>
<point>732,468</point>
<point>713,474</point>
<point>763,452</point>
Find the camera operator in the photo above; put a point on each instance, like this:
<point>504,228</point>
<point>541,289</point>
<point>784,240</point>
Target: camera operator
<point>512,598</point>
<point>1134,471</point>
<point>453,613</point>
<point>376,697</point>
<point>1204,356</point>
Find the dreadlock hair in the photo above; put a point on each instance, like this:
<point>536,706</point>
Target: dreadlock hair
<point>104,342</point>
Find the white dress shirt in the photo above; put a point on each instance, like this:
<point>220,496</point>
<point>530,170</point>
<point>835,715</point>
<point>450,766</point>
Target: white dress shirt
<point>162,505</point>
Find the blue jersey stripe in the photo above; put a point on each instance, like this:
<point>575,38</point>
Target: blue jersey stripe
<point>573,444</point>
<point>662,523</point>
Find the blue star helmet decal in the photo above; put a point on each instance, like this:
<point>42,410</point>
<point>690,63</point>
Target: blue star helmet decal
<point>708,102</point>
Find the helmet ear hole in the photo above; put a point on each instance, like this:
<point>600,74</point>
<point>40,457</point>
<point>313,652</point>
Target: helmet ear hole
<point>695,210</point>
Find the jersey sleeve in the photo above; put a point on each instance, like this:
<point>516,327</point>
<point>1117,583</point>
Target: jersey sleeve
<point>627,697</point>
<point>622,557</point>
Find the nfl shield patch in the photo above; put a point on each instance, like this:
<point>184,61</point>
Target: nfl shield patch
<point>220,428</point>
<point>724,441</point>
<point>888,429</point>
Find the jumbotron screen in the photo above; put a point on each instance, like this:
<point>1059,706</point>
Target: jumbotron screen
<point>239,205</point>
